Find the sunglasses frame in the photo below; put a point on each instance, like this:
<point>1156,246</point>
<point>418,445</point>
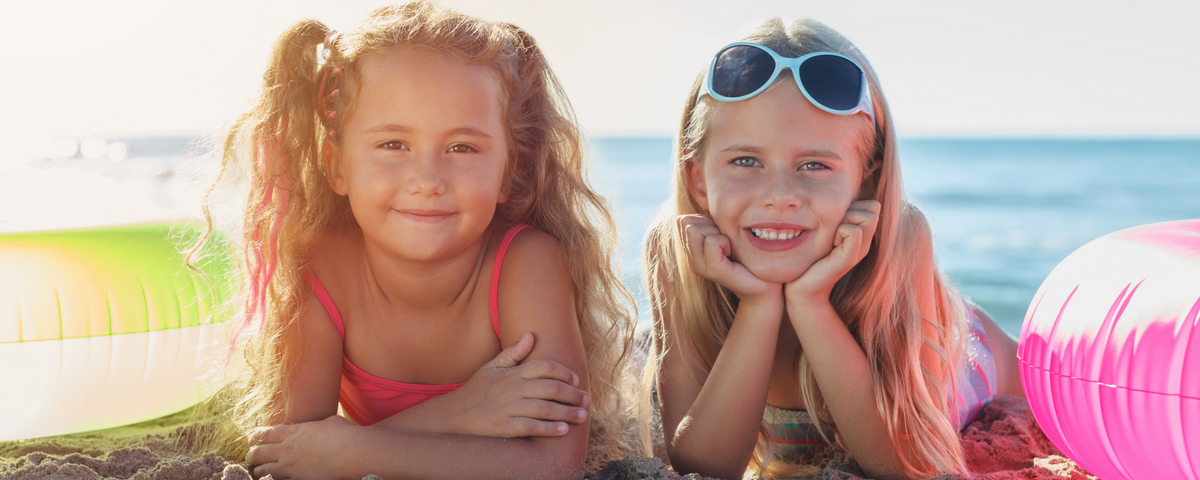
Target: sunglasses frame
<point>864,97</point>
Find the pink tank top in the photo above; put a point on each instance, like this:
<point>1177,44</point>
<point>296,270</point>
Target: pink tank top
<point>366,398</point>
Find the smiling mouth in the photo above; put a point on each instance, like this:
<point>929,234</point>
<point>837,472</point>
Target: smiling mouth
<point>775,234</point>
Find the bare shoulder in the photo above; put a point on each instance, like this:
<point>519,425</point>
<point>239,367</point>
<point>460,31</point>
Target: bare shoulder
<point>536,294</point>
<point>533,258</point>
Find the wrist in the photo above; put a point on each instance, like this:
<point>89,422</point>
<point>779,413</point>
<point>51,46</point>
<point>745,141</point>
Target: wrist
<point>800,307</point>
<point>768,305</point>
<point>772,298</point>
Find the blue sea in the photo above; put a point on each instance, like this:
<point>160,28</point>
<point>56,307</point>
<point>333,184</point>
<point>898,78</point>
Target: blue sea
<point>1004,212</point>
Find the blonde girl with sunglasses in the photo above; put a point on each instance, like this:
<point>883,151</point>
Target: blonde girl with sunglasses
<point>795,296</point>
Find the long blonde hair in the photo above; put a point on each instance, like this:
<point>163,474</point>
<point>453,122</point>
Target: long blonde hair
<point>895,302</point>
<point>277,147</point>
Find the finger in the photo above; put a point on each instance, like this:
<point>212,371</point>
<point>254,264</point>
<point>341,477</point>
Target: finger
<point>528,427</point>
<point>548,411</point>
<point>848,237</point>
<point>715,247</point>
<point>264,470</point>
<point>860,217</point>
<point>694,219</point>
<point>543,368</point>
<point>513,355</point>
<point>263,454</point>
<point>555,391</point>
<point>265,435</point>
<point>869,205</point>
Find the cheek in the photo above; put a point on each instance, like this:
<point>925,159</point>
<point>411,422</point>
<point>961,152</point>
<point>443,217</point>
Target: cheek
<point>725,207</point>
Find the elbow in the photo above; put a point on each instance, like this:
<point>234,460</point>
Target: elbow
<point>884,473</point>
<point>556,459</point>
<point>706,465</point>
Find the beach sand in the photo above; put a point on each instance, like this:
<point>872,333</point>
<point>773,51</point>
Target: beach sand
<point>1005,443</point>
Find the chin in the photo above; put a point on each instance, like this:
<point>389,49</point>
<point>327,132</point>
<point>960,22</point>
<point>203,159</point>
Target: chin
<point>776,273</point>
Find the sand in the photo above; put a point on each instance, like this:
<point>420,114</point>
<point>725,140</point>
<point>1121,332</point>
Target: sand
<point>1005,443</point>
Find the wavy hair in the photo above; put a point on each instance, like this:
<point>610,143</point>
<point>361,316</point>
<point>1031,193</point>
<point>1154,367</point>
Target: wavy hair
<point>905,316</point>
<point>274,150</point>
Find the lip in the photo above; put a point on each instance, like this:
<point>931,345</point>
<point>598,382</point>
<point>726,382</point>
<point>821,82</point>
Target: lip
<point>777,245</point>
<point>425,216</point>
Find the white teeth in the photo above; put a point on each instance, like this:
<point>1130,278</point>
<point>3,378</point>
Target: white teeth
<point>772,234</point>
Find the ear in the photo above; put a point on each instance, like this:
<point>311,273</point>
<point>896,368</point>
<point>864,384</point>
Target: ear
<point>333,168</point>
<point>696,185</point>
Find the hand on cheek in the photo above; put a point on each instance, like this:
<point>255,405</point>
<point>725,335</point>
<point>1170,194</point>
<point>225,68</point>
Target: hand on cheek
<point>708,253</point>
<point>851,242</point>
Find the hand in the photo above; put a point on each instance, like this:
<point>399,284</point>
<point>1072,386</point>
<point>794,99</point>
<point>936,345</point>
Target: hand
<point>851,243</point>
<point>708,254</point>
<point>505,399</point>
<point>302,450</point>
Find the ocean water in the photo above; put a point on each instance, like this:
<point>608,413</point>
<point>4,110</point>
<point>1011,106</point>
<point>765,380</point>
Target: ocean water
<point>1003,212</point>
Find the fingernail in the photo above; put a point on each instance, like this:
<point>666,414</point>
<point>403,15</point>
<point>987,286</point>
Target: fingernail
<point>585,401</point>
<point>581,415</point>
<point>561,428</point>
<point>574,380</point>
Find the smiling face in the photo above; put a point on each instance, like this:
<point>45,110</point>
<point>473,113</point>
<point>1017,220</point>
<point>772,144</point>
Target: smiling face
<point>423,157</point>
<point>777,175</point>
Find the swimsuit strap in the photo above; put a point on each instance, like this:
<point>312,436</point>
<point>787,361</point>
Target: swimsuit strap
<point>336,317</point>
<point>326,301</point>
<point>492,307</point>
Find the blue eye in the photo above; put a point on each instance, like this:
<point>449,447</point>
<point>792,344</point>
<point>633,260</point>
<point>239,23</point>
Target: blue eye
<point>814,166</point>
<point>745,161</point>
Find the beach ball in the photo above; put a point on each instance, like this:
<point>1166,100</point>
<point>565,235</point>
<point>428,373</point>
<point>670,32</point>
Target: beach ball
<point>1110,353</point>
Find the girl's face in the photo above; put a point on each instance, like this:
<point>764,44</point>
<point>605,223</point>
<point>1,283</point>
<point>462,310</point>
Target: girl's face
<point>777,175</point>
<point>422,158</point>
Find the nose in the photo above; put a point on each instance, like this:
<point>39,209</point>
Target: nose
<point>425,179</point>
<point>782,192</point>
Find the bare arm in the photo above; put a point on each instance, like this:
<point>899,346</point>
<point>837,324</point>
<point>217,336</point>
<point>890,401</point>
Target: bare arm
<point>311,383</point>
<point>1004,350</point>
<point>356,452</point>
<point>838,363</point>
<point>711,420</point>
<point>844,377</point>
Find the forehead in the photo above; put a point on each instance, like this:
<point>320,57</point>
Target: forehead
<point>403,79</point>
<point>782,119</point>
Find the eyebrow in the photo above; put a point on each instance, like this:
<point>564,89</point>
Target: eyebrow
<point>742,147</point>
<point>390,127</point>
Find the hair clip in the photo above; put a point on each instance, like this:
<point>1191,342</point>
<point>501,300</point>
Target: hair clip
<point>328,38</point>
<point>325,49</point>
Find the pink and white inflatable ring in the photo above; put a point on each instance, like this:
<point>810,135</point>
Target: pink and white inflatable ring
<point>1110,353</point>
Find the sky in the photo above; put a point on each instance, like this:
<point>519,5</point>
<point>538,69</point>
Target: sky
<point>1015,68</point>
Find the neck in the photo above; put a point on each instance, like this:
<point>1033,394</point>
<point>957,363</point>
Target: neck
<point>411,286</point>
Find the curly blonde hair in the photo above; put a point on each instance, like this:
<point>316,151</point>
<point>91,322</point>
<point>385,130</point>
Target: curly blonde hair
<point>276,147</point>
<point>905,316</point>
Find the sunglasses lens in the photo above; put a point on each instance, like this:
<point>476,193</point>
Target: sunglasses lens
<point>740,70</point>
<point>832,81</point>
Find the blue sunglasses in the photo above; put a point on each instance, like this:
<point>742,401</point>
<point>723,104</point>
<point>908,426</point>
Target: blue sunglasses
<point>833,82</point>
